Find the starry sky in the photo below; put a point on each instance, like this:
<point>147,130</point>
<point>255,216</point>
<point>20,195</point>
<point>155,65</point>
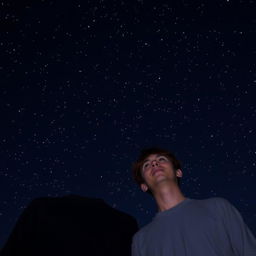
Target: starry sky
<point>86,84</point>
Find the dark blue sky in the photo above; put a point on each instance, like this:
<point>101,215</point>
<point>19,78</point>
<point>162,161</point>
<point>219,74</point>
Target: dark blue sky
<point>86,84</point>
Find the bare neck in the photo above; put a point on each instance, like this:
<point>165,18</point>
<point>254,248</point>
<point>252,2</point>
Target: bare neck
<point>168,196</point>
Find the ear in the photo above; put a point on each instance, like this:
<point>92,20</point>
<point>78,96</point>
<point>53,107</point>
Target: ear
<point>144,187</point>
<point>179,173</point>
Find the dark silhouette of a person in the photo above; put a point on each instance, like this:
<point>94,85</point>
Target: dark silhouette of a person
<point>71,225</point>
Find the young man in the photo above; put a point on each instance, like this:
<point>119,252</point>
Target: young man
<point>184,226</point>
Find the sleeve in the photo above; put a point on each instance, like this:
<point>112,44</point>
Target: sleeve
<point>135,246</point>
<point>242,240</point>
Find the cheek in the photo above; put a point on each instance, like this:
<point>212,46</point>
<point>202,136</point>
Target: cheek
<point>142,173</point>
<point>145,173</point>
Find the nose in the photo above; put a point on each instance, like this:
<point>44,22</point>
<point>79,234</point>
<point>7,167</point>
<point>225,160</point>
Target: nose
<point>154,163</point>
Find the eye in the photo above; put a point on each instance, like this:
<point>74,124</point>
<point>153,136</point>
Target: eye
<point>145,165</point>
<point>162,159</point>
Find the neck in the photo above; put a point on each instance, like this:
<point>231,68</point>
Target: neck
<point>168,196</point>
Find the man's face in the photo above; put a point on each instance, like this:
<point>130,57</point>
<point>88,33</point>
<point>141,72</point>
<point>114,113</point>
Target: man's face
<point>156,169</point>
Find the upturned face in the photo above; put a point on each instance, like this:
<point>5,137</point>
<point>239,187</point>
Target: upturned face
<point>156,169</point>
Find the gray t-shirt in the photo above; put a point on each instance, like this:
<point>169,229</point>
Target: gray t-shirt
<point>210,227</point>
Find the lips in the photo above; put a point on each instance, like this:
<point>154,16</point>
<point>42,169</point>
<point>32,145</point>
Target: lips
<point>156,171</point>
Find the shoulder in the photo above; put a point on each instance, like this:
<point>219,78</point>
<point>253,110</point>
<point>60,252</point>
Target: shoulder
<point>140,235</point>
<point>214,202</point>
<point>219,202</point>
<point>220,206</point>
<point>138,241</point>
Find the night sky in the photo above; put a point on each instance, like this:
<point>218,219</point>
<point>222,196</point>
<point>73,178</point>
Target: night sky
<point>86,84</point>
